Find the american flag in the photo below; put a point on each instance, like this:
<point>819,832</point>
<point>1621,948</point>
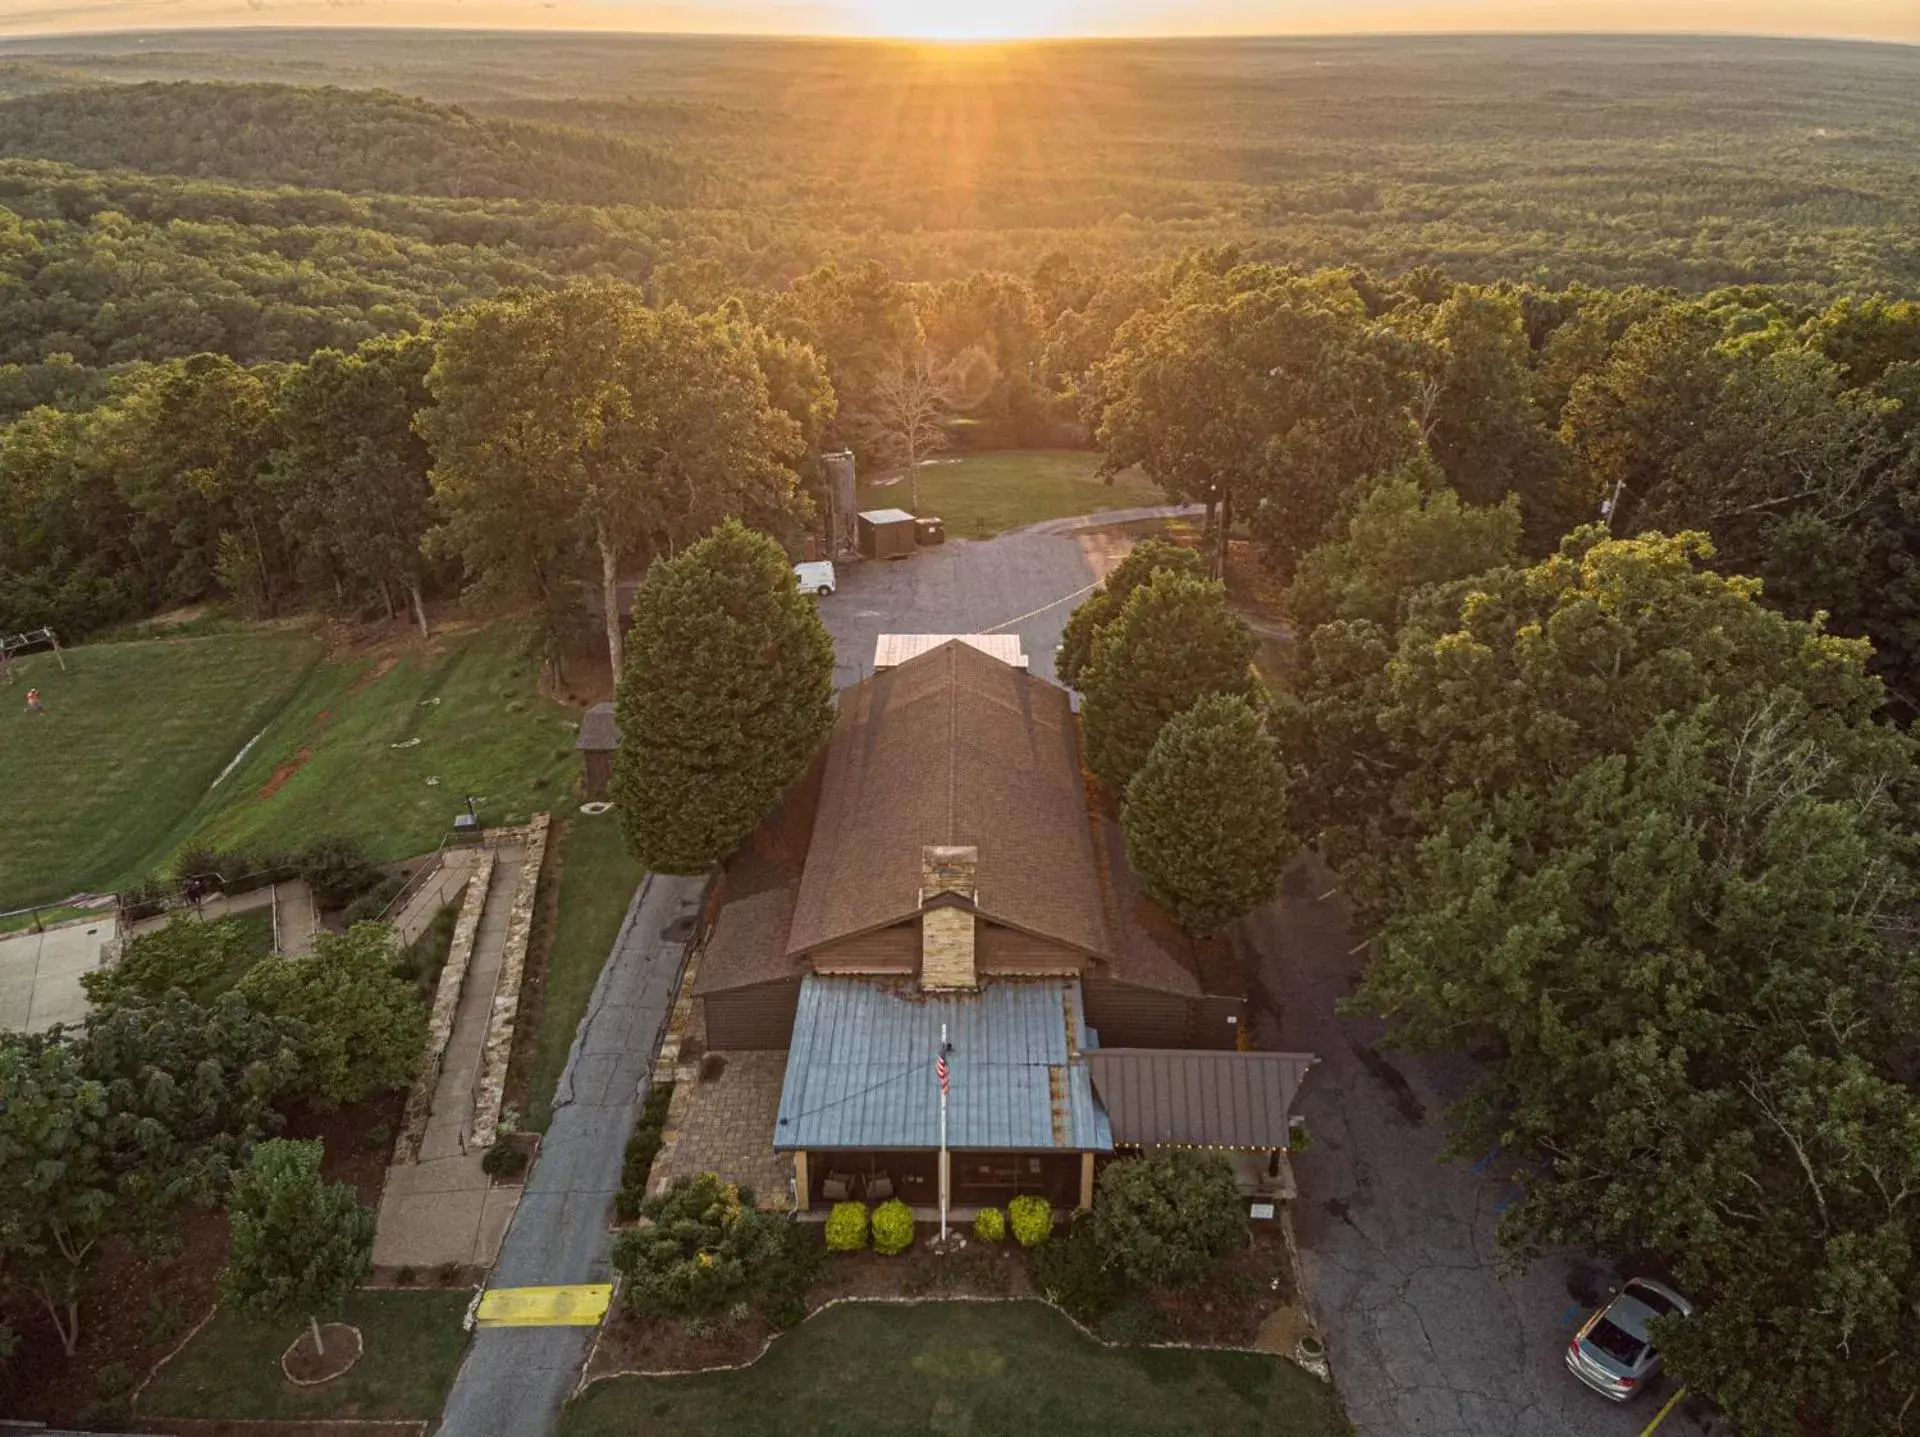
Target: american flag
<point>940,1070</point>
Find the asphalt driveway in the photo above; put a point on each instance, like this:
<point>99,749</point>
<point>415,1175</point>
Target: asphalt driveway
<point>1427,1338</point>
<point>1027,581</point>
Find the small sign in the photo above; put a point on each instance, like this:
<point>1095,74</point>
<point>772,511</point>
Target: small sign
<point>1263,1211</point>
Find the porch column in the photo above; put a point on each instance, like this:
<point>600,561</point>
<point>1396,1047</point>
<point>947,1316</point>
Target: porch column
<point>1086,1181</point>
<point>800,1184</point>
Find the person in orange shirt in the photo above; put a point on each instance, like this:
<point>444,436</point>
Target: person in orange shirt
<point>34,706</point>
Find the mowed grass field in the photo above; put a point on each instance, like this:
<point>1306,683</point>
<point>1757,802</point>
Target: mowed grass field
<point>131,738</point>
<point>118,775</point>
<point>983,1368</point>
<point>980,495</point>
<point>412,1343</point>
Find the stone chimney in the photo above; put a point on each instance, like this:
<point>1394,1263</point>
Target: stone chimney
<point>946,932</point>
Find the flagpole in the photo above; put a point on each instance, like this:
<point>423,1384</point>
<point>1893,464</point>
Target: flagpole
<point>942,1071</point>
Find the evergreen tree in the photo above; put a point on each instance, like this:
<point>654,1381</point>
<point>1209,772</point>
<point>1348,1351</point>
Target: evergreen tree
<point>1206,815</point>
<point>726,694</point>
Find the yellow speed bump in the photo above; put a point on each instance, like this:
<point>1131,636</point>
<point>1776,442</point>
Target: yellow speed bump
<point>581,1305</point>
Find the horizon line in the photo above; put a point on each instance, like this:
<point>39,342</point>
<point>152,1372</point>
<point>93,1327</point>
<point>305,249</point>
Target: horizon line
<point>968,42</point>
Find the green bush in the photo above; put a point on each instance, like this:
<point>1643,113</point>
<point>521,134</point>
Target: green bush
<point>337,870</point>
<point>504,1160</point>
<point>707,1255</point>
<point>847,1227</point>
<point>642,1148</point>
<point>1073,1274</point>
<point>198,958</point>
<point>1032,1219</point>
<point>892,1227</point>
<point>989,1225</point>
<point>1167,1217</point>
<point>1135,1322</point>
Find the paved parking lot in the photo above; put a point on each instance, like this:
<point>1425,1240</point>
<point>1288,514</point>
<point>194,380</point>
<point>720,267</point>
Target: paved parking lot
<point>1025,582</point>
<point>1426,1336</point>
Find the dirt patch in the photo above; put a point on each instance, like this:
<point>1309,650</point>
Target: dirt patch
<point>357,1141</point>
<point>1280,1332</point>
<point>340,1349</point>
<point>373,675</point>
<point>286,771</point>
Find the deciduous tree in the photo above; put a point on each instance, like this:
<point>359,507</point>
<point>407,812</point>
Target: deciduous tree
<point>1173,641</point>
<point>361,1028</point>
<point>1100,607</point>
<point>300,1243</point>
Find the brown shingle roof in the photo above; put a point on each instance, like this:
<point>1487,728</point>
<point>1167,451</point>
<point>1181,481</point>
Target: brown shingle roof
<point>748,943</point>
<point>951,748</point>
<point>598,732</point>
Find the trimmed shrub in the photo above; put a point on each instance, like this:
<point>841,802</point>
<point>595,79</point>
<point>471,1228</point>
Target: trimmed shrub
<point>1166,1218</point>
<point>1135,1322</point>
<point>708,1257</point>
<point>1073,1274</point>
<point>847,1227</point>
<point>642,1148</point>
<point>1031,1218</point>
<point>989,1225</point>
<point>892,1227</point>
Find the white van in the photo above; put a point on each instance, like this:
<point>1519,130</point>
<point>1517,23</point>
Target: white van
<point>816,578</point>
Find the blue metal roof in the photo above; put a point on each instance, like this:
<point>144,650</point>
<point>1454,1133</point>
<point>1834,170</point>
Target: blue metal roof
<point>860,1069</point>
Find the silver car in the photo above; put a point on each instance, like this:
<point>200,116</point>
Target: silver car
<point>1612,1352</point>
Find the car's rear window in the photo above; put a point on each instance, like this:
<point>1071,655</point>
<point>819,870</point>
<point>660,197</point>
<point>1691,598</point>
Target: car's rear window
<point>1656,1302</point>
<point>1620,1345</point>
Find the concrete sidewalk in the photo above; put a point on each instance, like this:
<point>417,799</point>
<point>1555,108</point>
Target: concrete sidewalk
<point>515,1379</point>
<point>443,1208</point>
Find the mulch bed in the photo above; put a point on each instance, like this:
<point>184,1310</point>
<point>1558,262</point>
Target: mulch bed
<point>136,1306</point>
<point>202,1427</point>
<point>1227,1309</point>
<point>652,1344</point>
<point>342,1349</point>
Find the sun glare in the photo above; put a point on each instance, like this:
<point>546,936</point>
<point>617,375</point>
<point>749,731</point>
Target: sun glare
<point>962,19</point>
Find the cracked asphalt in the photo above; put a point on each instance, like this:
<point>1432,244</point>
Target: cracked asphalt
<point>1426,1337</point>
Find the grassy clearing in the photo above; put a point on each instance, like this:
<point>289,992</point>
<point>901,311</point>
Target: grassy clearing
<point>131,738</point>
<point>981,1368</point>
<point>596,883</point>
<point>342,757</point>
<point>980,495</point>
<point>116,776</point>
<point>413,1342</point>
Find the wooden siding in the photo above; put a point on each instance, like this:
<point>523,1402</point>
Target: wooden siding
<point>597,774</point>
<point>759,1017</point>
<point>1008,950</point>
<point>885,950</point>
<point>1128,1017</point>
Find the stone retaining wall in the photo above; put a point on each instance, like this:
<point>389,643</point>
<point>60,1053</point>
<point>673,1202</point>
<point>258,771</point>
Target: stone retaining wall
<point>506,993</point>
<point>446,1002</point>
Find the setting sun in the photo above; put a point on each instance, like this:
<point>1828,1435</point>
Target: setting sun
<point>963,19</point>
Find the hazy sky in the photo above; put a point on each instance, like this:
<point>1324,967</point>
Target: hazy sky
<point>1874,19</point>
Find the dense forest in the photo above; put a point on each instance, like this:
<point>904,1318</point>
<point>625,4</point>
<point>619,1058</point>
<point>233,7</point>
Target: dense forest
<point>1572,393</point>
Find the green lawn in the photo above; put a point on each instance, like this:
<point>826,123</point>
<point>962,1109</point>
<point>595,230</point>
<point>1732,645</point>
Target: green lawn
<point>132,736</point>
<point>981,494</point>
<point>597,880</point>
<point>977,1368</point>
<point>115,777</point>
<point>413,1342</point>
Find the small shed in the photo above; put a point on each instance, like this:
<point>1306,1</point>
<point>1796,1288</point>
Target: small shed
<point>599,737</point>
<point>887,533</point>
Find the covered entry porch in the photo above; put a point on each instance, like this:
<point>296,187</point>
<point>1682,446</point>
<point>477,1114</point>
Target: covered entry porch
<point>977,1178</point>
